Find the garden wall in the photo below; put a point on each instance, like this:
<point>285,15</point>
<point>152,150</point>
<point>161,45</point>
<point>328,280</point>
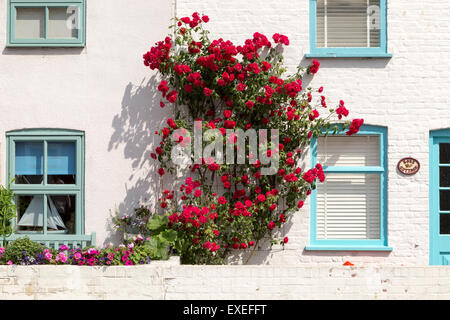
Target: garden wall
<point>170,280</point>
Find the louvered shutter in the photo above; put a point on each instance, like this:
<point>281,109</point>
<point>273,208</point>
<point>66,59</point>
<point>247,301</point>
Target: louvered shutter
<point>348,204</point>
<point>348,23</point>
<point>342,151</point>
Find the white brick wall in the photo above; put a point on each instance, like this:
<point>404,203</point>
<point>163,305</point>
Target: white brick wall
<point>169,280</point>
<point>408,93</point>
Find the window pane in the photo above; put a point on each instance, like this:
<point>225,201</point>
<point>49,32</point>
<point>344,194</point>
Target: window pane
<point>29,162</point>
<point>348,151</point>
<point>61,167</point>
<point>348,23</point>
<point>445,224</point>
<point>444,176</point>
<point>444,153</point>
<point>444,200</point>
<point>63,23</point>
<point>61,213</point>
<point>30,23</point>
<point>348,207</point>
<point>30,213</point>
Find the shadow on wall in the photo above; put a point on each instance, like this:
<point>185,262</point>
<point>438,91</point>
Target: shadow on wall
<point>134,133</point>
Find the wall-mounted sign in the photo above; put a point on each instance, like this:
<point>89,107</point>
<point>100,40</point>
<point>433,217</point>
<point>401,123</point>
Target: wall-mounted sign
<point>408,166</point>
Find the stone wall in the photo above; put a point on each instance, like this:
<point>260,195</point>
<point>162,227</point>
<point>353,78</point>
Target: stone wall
<point>170,280</point>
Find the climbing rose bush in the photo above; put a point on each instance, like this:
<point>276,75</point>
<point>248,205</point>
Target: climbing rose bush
<point>221,209</point>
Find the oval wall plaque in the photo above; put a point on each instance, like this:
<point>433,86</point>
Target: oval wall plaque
<point>408,166</point>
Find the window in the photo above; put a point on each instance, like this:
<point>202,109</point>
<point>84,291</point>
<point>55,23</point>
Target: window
<point>48,23</point>
<point>348,28</point>
<point>348,210</point>
<point>47,167</point>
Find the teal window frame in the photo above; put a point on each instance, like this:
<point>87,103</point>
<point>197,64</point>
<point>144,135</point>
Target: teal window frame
<point>349,52</point>
<point>358,244</point>
<point>439,243</point>
<point>45,189</point>
<point>45,42</point>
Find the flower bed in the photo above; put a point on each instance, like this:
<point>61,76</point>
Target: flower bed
<point>137,251</point>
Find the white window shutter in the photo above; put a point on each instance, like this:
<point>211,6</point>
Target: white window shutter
<point>348,207</point>
<point>356,151</point>
<point>347,23</point>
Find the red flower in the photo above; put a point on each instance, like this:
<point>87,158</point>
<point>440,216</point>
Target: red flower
<point>271,225</point>
<point>186,19</point>
<point>286,239</point>
<point>240,87</point>
<point>249,104</point>
<point>314,67</point>
<point>229,124</point>
<point>261,198</point>
<point>172,96</point>
<point>205,19</point>
<point>207,91</point>
<point>222,200</point>
<point>227,114</point>
<point>273,207</point>
<point>161,171</point>
<point>355,126</point>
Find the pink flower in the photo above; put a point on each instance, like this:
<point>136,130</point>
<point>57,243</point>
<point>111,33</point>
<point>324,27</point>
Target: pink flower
<point>48,255</point>
<point>129,263</point>
<point>63,248</point>
<point>61,257</point>
<point>10,262</point>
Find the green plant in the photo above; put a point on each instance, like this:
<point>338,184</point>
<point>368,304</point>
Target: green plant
<point>7,211</point>
<point>219,93</point>
<point>135,223</point>
<point>23,251</point>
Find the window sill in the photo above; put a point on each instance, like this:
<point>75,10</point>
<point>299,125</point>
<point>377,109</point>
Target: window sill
<point>45,45</point>
<point>347,248</point>
<point>349,55</point>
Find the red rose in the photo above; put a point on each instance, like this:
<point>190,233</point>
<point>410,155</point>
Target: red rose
<point>227,114</point>
<point>222,200</point>
<point>207,92</point>
<point>161,171</point>
<point>271,225</point>
<point>286,239</point>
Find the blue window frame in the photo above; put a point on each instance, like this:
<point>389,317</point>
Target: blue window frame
<point>379,243</point>
<point>49,23</point>
<point>47,166</point>
<point>439,197</point>
<point>320,26</point>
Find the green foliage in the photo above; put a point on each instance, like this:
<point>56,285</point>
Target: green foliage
<point>7,211</point>
<point>19,251</point>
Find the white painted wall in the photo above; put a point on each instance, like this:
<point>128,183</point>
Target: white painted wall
<point>103,89</point>
<point>408,93</point>
<point>166,280</point>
